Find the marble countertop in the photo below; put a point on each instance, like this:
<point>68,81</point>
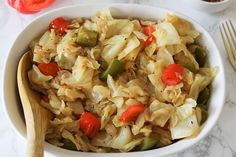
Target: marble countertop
<point>221,142</point>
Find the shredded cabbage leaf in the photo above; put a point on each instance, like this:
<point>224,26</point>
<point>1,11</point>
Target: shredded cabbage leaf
<point>166,34</point>
<point>184,122</point>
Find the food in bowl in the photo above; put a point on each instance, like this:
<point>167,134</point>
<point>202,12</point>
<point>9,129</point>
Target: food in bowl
<point>119,85</point>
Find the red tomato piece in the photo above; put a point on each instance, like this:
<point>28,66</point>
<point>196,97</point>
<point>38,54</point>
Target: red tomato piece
<point>148,30</point>
<point>60,25</point>
<point>132,112</point>
<point>49,69</point>
<point>89,124</point>
<point>149,40</point>
<point>45,98</point>
<point>29,6</point>
<point>172,75</point>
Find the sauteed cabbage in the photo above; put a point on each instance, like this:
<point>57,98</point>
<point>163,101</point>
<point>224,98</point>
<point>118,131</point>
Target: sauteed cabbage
<point>119,85</point>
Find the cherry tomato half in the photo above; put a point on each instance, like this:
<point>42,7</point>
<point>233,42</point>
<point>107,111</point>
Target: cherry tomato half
<point>149,40</point>
<point>60,25</point>
<point>148,30</point>
<point>132,112</point>
<point>89,124</point>
<point>49,69</point>
<point>172,75</point>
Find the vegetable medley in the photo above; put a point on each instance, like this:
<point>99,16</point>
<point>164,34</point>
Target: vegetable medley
<point>118,85</point>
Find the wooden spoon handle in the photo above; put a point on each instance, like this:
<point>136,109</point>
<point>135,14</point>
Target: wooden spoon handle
<point>36,131</point>
<point>35,147</point>
<point>35,138</point>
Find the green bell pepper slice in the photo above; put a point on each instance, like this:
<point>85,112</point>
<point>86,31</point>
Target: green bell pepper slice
<point>67,144</point>
<point>86,38</point>
<point>114,68</point>
<point>149,143</point>
<point>204,96</point>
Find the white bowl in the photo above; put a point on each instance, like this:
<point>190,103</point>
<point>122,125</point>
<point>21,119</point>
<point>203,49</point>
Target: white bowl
<point>209,7</point>
<point>12,104</point>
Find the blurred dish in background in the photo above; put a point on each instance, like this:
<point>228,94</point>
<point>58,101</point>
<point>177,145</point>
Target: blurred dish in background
<point>213,0</point>
<point>209,6</point>
<point>29,6</point>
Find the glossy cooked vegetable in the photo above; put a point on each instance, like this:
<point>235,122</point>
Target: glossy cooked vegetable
<point>172,75</point>
<point>86,38</point>
<point>59,25</point>
<point>49,69</point>
<point>114,68</point>
<point>132,112</point>
<point>200,56</point>
<point>89,124</point>
<point>203,96</point>
<point>149,142</point>
<point>186,61</point>
<point>148,30</point>
<point>202,100</point>
<point>67,144</point>
<point>204,113</point>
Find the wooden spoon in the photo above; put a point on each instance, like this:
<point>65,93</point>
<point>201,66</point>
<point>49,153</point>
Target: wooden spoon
<point>37,118</point>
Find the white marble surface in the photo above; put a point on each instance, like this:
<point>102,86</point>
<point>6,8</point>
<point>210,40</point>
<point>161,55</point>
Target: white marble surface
<point>221,142</point>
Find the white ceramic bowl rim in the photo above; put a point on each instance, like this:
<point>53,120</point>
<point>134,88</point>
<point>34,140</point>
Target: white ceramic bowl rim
<point>176,147</point>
